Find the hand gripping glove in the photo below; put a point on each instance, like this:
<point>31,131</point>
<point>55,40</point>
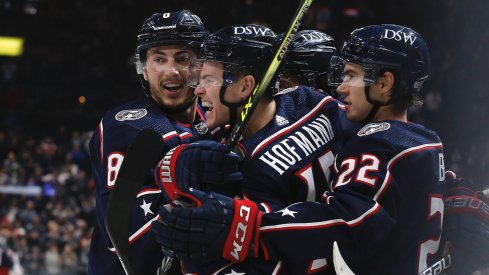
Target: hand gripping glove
<point>466,225</point>
<point>220,227</point>
<point>204,165</point>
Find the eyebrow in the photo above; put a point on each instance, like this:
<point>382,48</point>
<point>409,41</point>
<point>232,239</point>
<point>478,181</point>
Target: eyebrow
<point>349,71</point>
<point>164,53</point>
<point>206,76</point>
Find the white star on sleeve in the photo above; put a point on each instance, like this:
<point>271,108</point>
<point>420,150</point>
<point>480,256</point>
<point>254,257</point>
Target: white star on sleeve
<point>146,207</point>
<point>286,211</point>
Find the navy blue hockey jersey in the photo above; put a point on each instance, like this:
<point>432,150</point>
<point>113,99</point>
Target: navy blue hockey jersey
<point>290,159</point>
<point>108,145</point>
<point>385,209</point>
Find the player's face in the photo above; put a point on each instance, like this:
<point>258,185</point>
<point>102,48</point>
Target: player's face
<point>208,89</point>
<point>166,70</point>
<point>352,89</point>
<point>211,79</point>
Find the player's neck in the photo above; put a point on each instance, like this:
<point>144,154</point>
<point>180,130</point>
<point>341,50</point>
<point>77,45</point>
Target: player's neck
<point>390,113</point>
<point>262,115</point>
<point>186,116</point>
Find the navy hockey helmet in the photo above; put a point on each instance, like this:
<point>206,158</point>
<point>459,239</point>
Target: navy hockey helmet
<point>308,57</point>
<point>246,46</point>
<point>389,47</point>
<point>169,28</point>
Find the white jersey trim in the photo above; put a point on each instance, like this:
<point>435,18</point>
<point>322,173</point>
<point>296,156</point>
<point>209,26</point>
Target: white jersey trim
<point>291,127</point>
<point>140,232</point>
<point>148,192</point>
<point>328,223</point>
<point>170,135</point>
<point>396,158</point>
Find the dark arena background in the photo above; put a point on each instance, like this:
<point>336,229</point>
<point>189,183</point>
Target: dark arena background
<point>64,63</point>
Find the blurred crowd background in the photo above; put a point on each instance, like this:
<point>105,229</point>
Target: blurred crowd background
<point>77,63</point>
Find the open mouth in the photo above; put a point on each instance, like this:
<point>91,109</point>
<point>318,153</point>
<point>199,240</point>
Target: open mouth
<point>172,87</point>
<point>207,106</point>
<point>345,103</point>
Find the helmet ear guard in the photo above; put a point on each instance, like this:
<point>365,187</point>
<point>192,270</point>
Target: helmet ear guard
<point>138,64</point>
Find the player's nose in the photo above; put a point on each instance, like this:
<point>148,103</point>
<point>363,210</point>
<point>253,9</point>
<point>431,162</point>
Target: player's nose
<point>342,89</point>
<point>172,68</point>
<point>199,90</point>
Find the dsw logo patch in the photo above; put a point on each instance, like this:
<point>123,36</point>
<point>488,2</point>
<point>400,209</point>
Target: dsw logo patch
<point>399,36</point>
<point>253,30</point>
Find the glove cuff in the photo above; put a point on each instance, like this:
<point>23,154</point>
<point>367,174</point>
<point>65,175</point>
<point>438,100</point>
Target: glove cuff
<point>240,237</point>
<point>167,178</point>
<point>463,204</point>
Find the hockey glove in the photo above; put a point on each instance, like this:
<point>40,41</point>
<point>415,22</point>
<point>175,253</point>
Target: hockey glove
<point>466,225</point>
<point>220,227</point>
<point>204,165</point>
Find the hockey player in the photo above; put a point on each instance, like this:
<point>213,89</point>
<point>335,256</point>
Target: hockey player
<point>289,142</point>
<point>166,44</point>
<point>385,207</point>
<point>307,61</point>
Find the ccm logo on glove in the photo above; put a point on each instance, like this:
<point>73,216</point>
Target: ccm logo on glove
<point>244,212</point>
<point>240,236</point>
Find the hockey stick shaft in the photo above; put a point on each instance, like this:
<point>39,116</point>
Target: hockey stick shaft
<point>262,86</point>
<point>142,155</point>
<point>340,266</point>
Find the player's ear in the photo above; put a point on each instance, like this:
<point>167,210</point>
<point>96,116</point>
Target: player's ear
<point>386,83</point>
<point>145,73</point>
<point>248,85</point>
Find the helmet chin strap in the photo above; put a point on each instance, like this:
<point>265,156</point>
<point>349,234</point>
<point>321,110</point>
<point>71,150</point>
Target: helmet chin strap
<point>233,107</point>
<point>375,106</point>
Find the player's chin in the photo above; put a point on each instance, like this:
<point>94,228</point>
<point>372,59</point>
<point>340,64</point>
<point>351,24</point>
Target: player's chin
<point>210,118</point>
<point>175,104</point>
<point>353,116</point>
<point>210,121</point>
<point>215,118</point>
